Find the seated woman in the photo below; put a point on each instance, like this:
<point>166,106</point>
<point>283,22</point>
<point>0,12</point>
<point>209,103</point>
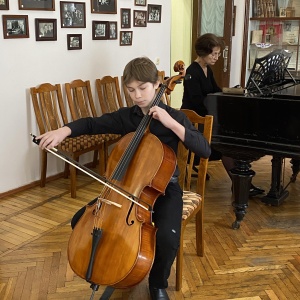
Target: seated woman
<point>208,48</point>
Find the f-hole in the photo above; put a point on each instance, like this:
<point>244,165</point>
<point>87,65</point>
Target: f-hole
<point>128,216</point>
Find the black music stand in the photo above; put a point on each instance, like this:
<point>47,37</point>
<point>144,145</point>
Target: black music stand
<point>270,74</point>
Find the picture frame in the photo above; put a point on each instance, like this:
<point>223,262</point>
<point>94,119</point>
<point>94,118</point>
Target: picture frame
<point>282,12</point>
<point>15,26</point>
<point>45,29</point>
<point>125,17</point>
<point>154,13</point>
<point>4,4</point>
<point>126,38</point>
<point>113,30</point>
<point>74,41</point>
<point>72,14</point>
<point>36,5</point>
<point>140,18</point>
<point>100,30</point>
<point>140,2</point>
<point>104,6</point>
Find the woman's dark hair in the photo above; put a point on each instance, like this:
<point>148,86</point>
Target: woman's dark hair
<point>205,43</point>
<point>140,69</point>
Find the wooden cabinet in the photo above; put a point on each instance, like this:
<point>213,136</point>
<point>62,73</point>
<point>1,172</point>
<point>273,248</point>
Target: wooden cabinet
<point>275,25</point>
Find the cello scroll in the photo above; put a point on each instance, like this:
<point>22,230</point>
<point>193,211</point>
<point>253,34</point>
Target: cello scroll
<point>171,82</point>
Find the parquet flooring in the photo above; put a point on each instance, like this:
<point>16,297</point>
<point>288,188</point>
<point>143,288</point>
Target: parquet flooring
<point>261,260</point>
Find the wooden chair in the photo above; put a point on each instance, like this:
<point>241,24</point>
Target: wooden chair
<point>193,199</point>
<point>109,95</point>
<point>129,102</point>
<point>51,114</point>
<point>166,98</point>
<point>81,104</point>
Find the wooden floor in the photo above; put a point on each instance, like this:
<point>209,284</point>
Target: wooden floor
<point>261,260</point>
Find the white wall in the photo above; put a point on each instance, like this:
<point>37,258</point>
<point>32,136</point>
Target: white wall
<point>25,63</point>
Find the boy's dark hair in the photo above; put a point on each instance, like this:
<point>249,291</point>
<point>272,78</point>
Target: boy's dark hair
<point>140,69</point>
<point>205,43</point>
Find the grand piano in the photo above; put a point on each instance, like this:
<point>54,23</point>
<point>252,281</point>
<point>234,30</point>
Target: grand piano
<point>265,120</point>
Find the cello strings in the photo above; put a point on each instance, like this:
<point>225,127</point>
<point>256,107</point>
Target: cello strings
<point>128,154</point>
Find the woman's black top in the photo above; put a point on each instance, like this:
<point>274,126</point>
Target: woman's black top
<point>197,88</point>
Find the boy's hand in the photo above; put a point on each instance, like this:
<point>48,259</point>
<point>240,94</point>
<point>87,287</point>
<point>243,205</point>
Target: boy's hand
<point>52,138</point>
<point>163,116</point>
<point>160,114</point>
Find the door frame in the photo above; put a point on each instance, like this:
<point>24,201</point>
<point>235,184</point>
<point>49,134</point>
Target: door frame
<point>228,15</point>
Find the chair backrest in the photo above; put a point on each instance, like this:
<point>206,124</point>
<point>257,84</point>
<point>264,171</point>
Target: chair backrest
<point>80,99</point>
<point>161,76</point>
<point>165,98</point>
<point>48,106</point>
<point>185,159</point>
<point>109,95</point>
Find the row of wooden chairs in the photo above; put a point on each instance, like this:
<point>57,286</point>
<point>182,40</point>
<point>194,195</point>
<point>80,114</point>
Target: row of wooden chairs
<point>51,114</point>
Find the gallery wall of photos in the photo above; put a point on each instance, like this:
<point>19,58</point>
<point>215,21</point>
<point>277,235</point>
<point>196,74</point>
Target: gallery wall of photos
<point>73,15</point>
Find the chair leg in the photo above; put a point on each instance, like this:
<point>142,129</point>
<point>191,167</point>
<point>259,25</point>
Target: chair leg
<point>179,261</point>
<point>44,168</point>
<point>95,158</point>
<point>66,170</point>
<point>199,233</point>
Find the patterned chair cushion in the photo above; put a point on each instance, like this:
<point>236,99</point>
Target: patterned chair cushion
<point>84,142</point>
<point>190,202</point>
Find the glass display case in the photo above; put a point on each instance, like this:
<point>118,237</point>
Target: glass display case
<point>275,25</point>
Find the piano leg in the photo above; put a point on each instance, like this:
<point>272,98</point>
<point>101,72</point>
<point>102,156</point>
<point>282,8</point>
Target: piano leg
<point>241,179</point>
<point>276,195</point>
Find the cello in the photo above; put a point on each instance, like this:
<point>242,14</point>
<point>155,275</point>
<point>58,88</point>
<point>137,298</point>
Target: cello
<point>113,243</point>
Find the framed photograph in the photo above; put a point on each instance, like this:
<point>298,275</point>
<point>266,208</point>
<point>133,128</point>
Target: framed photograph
<point>15,26</point>
<point>74,41</point>
<point>126,38</point>
<point>154,13</point>
<point>125,18</point>
<point>113,30</point>
<point>140,18</point>
<point>140,2</point>
<point>72,14</point>
<point>36,5</point>
<point>4,5</point>
<point>100,30</point>
<point>282,12</point>
<point>104,6</point>
<point>45,30</point>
